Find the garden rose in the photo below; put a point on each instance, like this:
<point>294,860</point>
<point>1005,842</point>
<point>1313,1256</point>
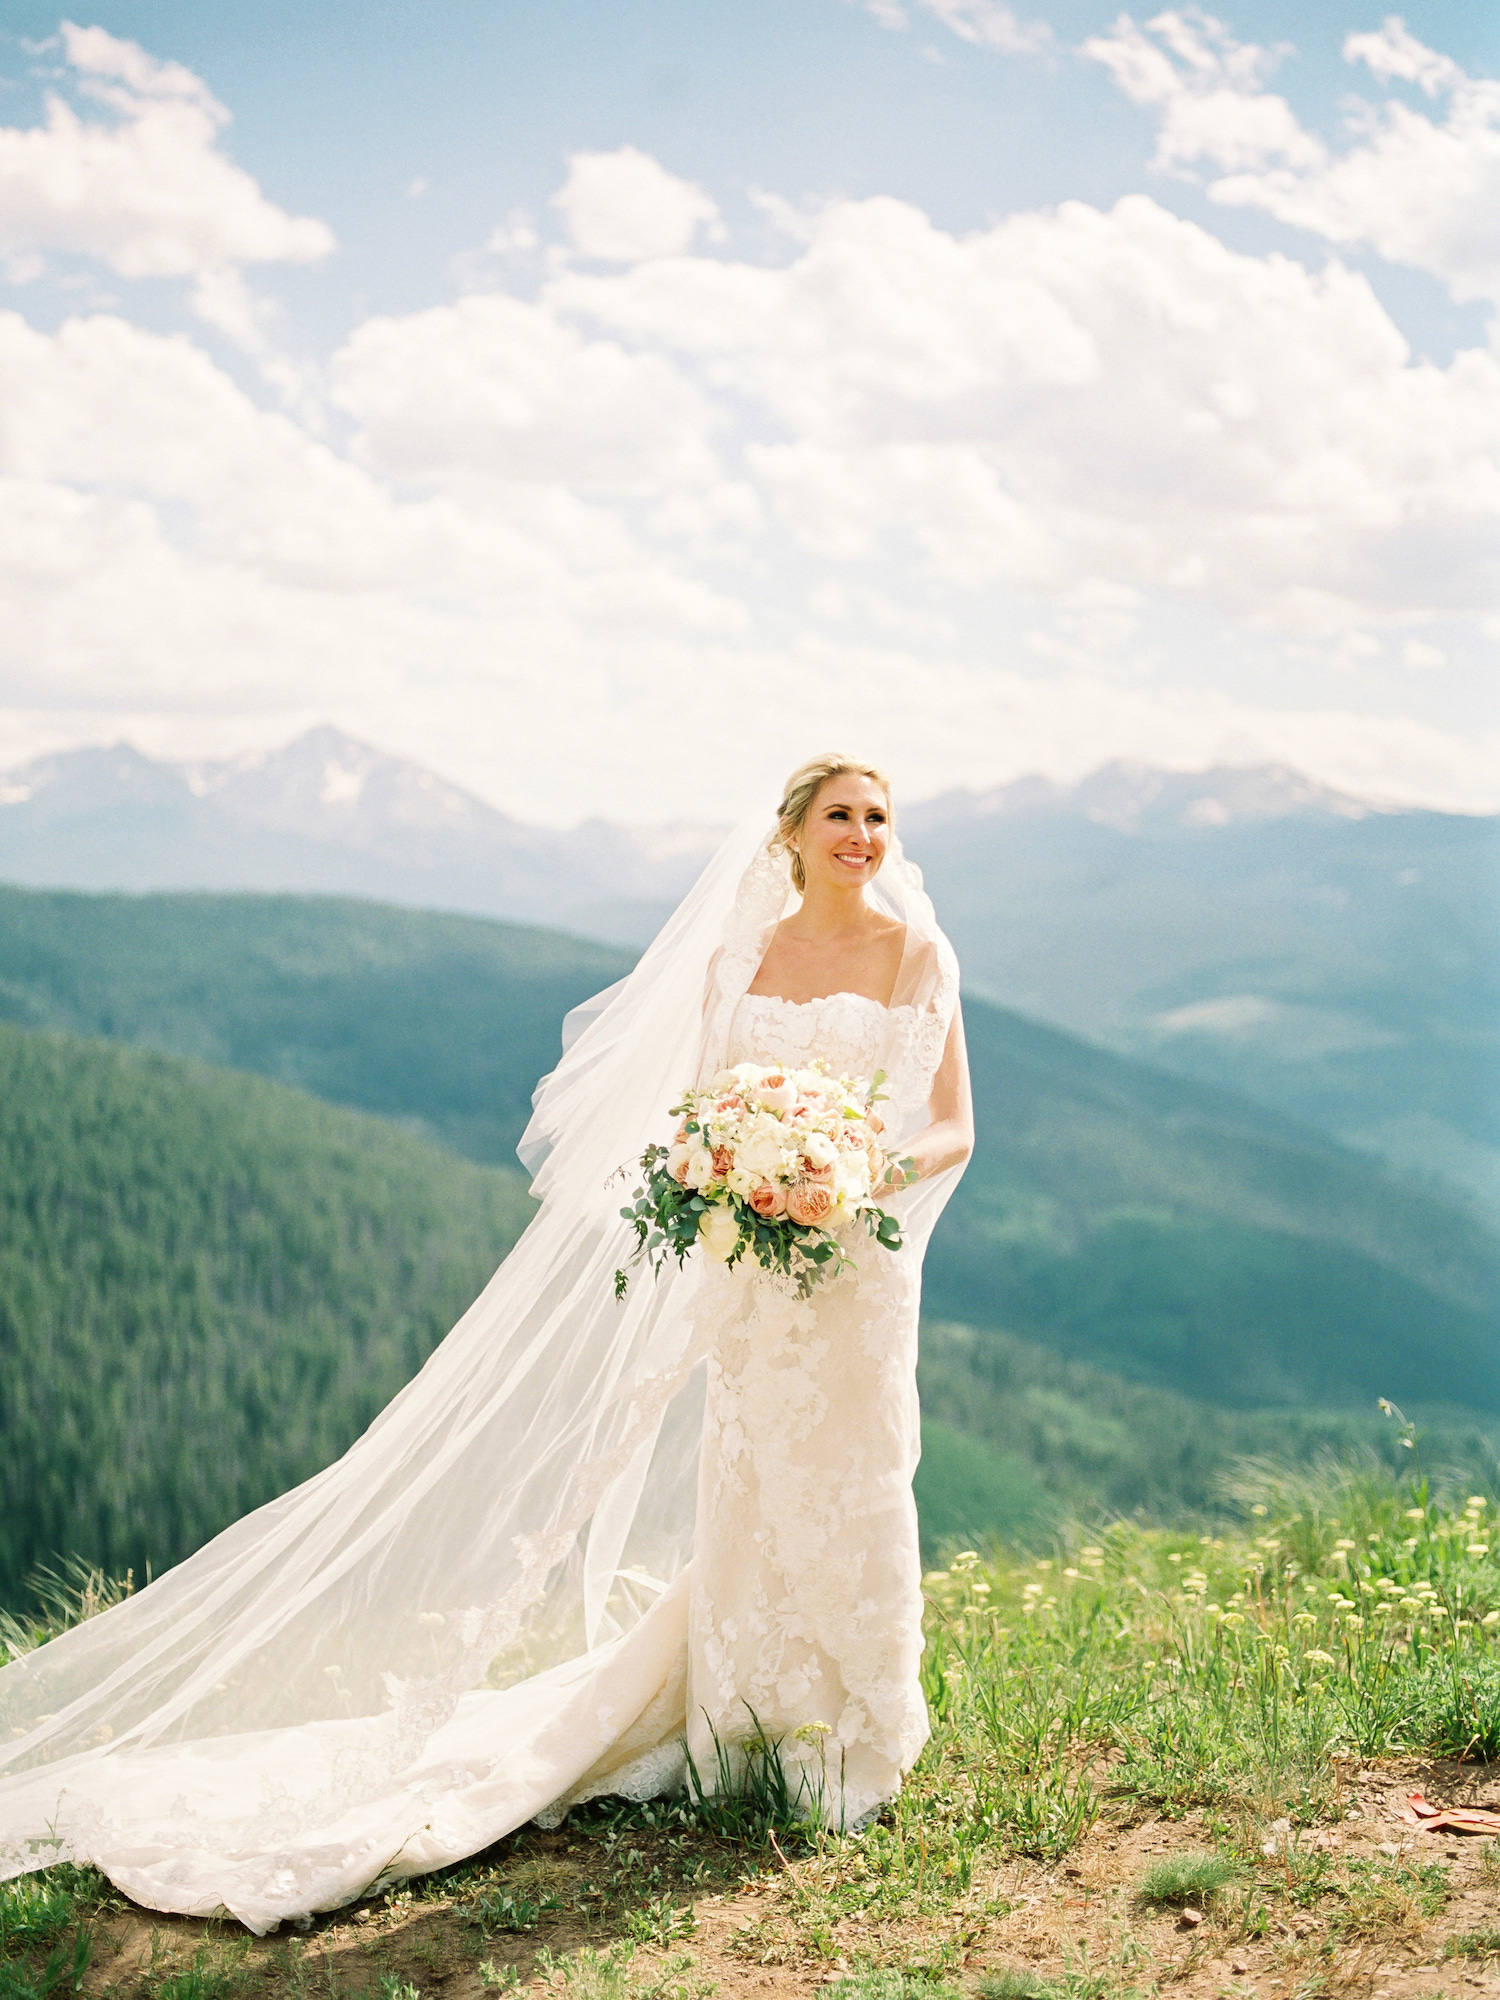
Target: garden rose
<point>776,1092</point>
<point>769,1199</point>
<point>809,1202</point>
<point>677,1162</point>
<point>819,1150</point>
<point>700,1167</point>
<point>723,1161</point>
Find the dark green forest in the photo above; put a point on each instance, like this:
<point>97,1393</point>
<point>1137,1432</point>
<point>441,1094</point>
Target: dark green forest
<point>209,1285</point>
<point>444,1023</point>
<point>209,1282</point>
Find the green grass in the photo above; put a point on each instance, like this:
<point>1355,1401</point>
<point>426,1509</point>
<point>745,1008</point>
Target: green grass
<point>1014,1983</point>
<point>1226,1684</point>
<point>887,1983</point>
<point>1473,1944</point>
<point>1188,1878</point>
<point>46,1931</point>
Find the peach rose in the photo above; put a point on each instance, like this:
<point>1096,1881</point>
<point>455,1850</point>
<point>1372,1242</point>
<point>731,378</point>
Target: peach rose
<point>809,1202</point>
<point>776,1092</point>
<point>723,1161</point>
<point>812,1173</point>
<point>730,1103</point>
<point>852,1139</point>
<point>768,1199</point>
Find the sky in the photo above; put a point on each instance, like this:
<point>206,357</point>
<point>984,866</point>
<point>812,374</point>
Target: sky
<point>610,405</point>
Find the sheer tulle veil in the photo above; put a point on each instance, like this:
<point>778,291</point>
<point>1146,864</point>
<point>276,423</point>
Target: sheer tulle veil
<point>275,1700</point>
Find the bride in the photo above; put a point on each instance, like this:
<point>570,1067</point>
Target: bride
<point>594,1535</point>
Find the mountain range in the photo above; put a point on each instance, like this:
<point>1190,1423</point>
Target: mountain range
<point>1333,957</point>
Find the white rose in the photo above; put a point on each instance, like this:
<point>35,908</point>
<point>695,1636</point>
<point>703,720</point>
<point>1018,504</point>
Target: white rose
<point>719,1227</point>
<point>819,1149</point>
<point>700,1167</point>
<point>677,1159</point>
<point>761,1154</point>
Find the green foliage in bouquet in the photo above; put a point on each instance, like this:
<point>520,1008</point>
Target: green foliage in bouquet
<point>668,1221</point>
<point>670,1218</point>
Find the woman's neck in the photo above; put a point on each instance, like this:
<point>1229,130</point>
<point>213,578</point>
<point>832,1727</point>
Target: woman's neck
<point>830,913</point>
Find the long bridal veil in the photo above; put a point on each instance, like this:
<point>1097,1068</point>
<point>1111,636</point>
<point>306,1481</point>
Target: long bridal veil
<point>257,1729</point>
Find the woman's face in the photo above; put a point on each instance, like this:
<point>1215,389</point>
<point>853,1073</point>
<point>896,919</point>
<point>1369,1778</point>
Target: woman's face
<point>847,830</point>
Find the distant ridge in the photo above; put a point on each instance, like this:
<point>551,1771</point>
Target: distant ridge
<point>327,814</point>
<point>1131,797</point>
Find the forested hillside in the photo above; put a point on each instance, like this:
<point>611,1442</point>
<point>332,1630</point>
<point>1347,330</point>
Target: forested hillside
<point>1174,1233</point>
<point>209,1285</point>
<point>446,1022</point>
<point>1156,1226</point>
<point>1015,1437</point>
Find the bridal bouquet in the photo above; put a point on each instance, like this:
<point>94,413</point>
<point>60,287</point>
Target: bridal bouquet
<point>769,1163</point>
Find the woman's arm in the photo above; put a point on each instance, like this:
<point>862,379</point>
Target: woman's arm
<point>949,1139</point>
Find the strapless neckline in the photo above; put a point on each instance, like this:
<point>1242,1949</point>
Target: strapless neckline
<point>822,1000</point>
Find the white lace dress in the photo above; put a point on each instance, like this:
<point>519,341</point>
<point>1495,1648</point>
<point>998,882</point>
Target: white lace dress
<point>806,1596</point>
<point>802,1604</point>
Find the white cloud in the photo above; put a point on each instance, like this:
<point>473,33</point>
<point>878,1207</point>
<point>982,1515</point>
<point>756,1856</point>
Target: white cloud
<point>1076,395</point>
<point>984,23</point>
<point>1079,478</point>
<point>624,207</point>
<point>1418,191</point>
<point>990,25</point>
<point>496,388</point>
<point>164,541</point>
<point>146,192</point>
<point>1207,90</point>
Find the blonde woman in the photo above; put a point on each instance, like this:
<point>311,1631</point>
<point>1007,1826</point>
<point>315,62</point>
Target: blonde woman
<point>594,1536</point>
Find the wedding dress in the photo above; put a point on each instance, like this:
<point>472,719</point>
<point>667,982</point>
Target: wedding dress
<point>591,1538</point>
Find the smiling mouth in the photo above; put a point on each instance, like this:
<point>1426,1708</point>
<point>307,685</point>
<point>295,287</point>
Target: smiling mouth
<point>852,860</point>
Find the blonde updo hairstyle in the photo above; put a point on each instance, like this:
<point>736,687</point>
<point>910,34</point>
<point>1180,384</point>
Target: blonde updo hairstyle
<point>802,787</point>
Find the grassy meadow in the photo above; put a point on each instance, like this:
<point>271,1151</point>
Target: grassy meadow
<point>1162,1762</point>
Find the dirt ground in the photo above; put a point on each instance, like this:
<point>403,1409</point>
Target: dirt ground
<point>756,1931</point>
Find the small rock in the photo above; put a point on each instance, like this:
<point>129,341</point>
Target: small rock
<point>1190,1920</point>
<point>1239,1967</point>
